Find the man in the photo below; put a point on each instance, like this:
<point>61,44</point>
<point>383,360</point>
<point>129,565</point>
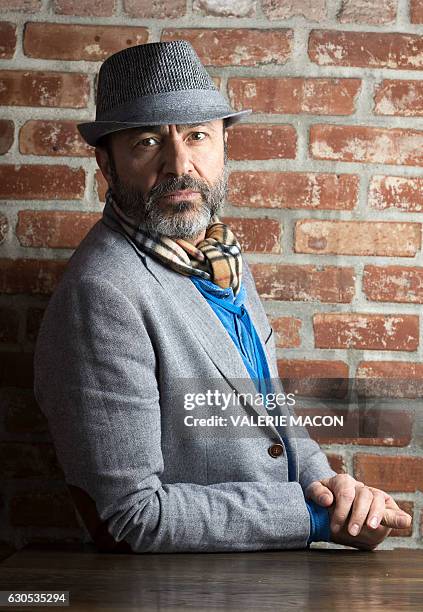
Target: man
<point>158,299</point>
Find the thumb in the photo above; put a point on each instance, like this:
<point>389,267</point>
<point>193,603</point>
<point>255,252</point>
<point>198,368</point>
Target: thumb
<point>397,519</point>
<point>319,493</point>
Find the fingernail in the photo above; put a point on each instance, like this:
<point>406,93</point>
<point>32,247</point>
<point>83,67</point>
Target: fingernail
<point>373,522</point>
<point>354,529</point>
<point>403,522</point>
<point>324,498</point>
<point>336,528</point>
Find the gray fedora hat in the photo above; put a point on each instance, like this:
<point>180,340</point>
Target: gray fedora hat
<point>155,84</point>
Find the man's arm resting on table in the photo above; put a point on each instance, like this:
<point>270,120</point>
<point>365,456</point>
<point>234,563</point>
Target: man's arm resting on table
<point>95,379</point>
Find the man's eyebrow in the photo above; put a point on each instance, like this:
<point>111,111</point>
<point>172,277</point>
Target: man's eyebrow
<point>157,129</point>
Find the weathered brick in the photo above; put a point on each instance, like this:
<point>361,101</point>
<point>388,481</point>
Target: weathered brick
<point>101,185</point>
<point>284,9</point>
<point>399,97</point>
<point>386,379</point>
<point>7,39</point>
<point>307,190</point>
<point>384,238</point>
<point>16,370</point>
<point>9,324</point>
<point>32,276</point>
<point>368,11</point>
<point>321,96</point>
<point>399,473</point>
<point>401,192</point>
<point>33,321</point>
<point>84,8</point>
<point>155,9</point>
<point>6,135</point>
<point>256,235</point>
<point>27,88</point>
<point>225,8</point>
<point>366,49</point>
<point>416,13</point>
<point>306,283</point>
<point>314,378</point>
<point>39,137</point>
<point>236,46</point>
<point>79,42</point>
<point>41,182</point>
<point>22,414</point>
<point>262,142</point>
<point>367,144</point>
<point>42,508</point>
<point>27,6</point>
<point>287,331</point>
<point>371,331</point>
<point>393,284</point>
<point>28,460</point>
<point>4,227</point>
<point>53,228</point>
<point>337,463</point>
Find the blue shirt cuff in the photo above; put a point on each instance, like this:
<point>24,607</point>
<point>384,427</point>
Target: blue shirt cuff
<point>319,523</point>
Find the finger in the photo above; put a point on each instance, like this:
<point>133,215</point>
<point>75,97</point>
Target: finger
<point>344,497</point>
<point>319,493</point>
<point>377,509</point>
<point>360,509</point>
<point>397,519</point>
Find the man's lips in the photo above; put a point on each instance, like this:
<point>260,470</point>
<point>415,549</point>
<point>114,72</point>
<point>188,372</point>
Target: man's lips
<point>185,194</point>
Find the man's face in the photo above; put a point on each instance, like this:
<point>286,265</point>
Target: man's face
<point>144,165</point>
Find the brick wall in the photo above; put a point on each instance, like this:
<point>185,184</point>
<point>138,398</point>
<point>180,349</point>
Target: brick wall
<point>325,195</point>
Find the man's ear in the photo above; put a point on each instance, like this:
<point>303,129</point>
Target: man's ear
<point>103,162</point>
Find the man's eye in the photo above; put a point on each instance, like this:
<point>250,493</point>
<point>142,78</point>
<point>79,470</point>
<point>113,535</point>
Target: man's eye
<point>201,134</point>
<point>145,140</point>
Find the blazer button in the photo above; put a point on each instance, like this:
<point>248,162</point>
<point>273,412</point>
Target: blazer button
<point>276,450</point>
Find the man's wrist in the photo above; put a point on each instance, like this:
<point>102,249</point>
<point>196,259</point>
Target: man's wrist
<point>319,523</point>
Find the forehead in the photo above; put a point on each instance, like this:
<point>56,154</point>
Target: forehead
<point>214,126</point>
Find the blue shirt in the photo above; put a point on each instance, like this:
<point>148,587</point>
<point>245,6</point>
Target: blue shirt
<point>236,320</point>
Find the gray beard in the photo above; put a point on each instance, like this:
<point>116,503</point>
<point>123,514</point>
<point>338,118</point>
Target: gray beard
<point>183,219</point>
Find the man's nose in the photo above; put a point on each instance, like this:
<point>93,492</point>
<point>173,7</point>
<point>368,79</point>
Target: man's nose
<point>176,157</point>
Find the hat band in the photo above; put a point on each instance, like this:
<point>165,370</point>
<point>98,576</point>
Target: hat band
<point>155,108</point>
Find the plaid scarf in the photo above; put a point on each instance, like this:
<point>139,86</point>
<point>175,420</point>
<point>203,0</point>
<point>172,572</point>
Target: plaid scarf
<point>216,258</point>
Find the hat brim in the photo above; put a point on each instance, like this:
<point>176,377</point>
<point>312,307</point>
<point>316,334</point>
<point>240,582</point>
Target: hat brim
<point>92,131</point>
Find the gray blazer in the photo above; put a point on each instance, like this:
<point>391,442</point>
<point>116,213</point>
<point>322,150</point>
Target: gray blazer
<point>122,339</point>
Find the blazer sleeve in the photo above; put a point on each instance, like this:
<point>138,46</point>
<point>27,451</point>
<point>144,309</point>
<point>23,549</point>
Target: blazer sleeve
<point>96,381</point>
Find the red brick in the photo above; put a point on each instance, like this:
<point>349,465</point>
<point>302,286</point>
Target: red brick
<point>366,49</point>
<point>24,460</point>
<point>223,8</point>
<point>285,9</point>
<point>101,185</point>
<point>399,97</point>
<point>384,238</point>
<point>16,370</point>
<point>306,283</point>
<point>236,46</point>
<point>337,463</point>
<point>393,284</point>
<point>39,137</point>
<point>390,379</point>
<point>4,226</point>
<point>416,13</point>
<point>367,144</point>
<point>42,509</point>
<point>33,322</point>
<point>294,190</point>
<point>399,473</point>
<point>7,39</point>
<point>401,192</point>
<point>41,182</point>
<point>321,96</point>
<point>22,412</point>
<point>408,507</point>
<point>6,135</point>
<point>26,88</point>
<point>53,228</point>
<point>314,378</point>
<point>368,11</point>
<point>287,331</point>
<point>262,142</point>
<point>155,9</point>
<point>79,42</point>
<point>32,276</point>
<point>84,8</point>
<point>27,6</point>
<point>256,235</point>
<point>9,324</point>
<point>369,331</point>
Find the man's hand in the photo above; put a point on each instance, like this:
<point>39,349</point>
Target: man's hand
<point>371,512</point>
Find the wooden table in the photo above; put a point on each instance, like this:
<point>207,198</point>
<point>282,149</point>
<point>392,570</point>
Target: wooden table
<point>319,579</point>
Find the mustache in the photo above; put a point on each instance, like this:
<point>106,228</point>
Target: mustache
<point>178,184</point>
